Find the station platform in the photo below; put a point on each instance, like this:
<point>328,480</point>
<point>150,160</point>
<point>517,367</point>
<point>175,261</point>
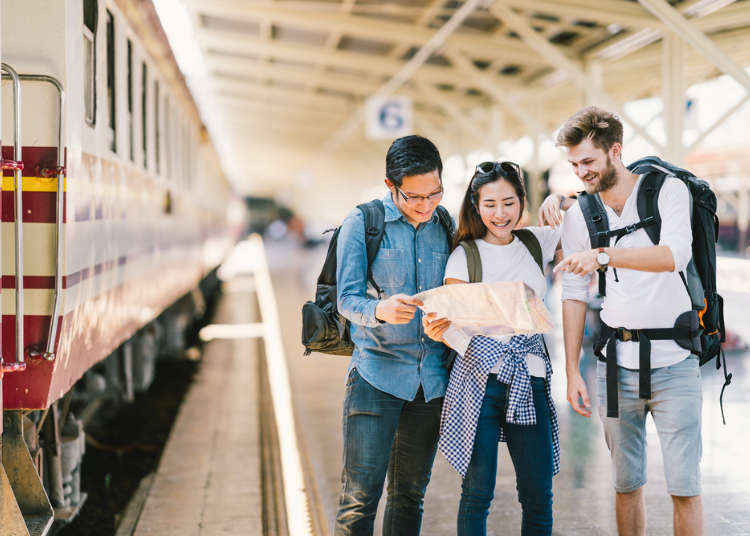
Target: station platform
<point>209,480</point>
<point>213,478</point>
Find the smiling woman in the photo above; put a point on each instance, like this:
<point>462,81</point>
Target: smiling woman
<point>495,193</point>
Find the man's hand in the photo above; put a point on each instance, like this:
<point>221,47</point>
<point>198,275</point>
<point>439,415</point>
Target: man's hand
<point>577,393</point>
<point>435,327</point>
<point>581,263</point>
<point>398,309</point>
<point>550,213</point>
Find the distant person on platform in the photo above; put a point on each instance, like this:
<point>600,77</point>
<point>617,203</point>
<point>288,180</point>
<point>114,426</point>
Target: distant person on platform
<point>644,291</point>
<point>398,374</point>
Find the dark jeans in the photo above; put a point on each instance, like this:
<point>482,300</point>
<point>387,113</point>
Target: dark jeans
<point>384,434</point>
<point>530,450</point>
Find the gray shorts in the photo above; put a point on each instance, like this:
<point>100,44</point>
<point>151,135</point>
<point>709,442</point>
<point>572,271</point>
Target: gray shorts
<point>675,406</point>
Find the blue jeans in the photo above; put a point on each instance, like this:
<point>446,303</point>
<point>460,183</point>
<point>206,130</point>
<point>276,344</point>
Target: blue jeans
<point>385,435</point>
<point>530,450</point>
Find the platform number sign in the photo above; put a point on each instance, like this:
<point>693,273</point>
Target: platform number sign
<point>388,117</point>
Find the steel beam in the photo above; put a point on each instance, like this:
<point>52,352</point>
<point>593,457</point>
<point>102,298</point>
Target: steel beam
<point>508,100</point>
<point>697,39</point>
<point>368,27</point>
<point>606,11</point>
<point>434,42</point>
<point>720,121</point>
<point>445,102</point>
<point>673,96</point>
<point>359,64</point>
<point>556,58</point>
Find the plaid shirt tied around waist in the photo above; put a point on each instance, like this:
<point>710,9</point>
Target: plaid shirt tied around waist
<point>468,380</point>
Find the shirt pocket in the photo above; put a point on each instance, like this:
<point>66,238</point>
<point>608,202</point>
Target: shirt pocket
<point>388,269</point>
<point>439,260</point>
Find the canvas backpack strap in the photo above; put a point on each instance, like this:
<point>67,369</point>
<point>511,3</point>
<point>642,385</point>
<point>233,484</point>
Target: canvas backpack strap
<point>648,203</point>
<point>328,272</point>
<point>446,221</point>
<point>597,224</point>
<point>473,260</point>
<point>531,242</point>
<point>374,213</point>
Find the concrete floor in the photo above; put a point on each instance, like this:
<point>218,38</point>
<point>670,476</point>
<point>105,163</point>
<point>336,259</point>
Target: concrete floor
<point>584,498</point>
<point>208,481</point>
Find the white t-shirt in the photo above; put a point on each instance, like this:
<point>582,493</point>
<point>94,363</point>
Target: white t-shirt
<point>510,262</point>
<point>639,300</point>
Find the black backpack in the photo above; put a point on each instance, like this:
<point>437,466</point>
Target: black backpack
<point>324,329</point>
<point>706,321</point>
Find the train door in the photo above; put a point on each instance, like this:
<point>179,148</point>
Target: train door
<point>11,517</point>
<point>25,509</point>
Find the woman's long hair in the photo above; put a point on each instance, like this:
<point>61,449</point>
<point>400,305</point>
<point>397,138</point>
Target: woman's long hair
<point>470,224</point>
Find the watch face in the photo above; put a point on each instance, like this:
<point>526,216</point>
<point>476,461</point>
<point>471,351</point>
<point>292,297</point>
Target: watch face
<point>602,258</point>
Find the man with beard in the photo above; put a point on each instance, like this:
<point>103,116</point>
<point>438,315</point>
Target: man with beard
<point>644,291</point>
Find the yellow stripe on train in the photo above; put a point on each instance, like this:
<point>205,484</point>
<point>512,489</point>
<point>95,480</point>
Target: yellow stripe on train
<point>33,184</point>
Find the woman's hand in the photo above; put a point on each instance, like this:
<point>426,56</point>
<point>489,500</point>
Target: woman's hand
<point>435,327</point>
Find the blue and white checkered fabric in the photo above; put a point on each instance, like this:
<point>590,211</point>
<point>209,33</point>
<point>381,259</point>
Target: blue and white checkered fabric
<point>463,399</point>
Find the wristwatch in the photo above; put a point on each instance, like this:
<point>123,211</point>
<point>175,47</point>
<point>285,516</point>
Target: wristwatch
<point>602,258</point>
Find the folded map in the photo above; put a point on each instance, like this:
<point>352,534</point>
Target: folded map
<point>495,310</point>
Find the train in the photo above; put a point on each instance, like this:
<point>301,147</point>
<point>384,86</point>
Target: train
<point>115,215</point>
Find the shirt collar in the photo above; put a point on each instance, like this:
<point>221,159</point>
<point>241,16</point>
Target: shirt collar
<point>392,212</point>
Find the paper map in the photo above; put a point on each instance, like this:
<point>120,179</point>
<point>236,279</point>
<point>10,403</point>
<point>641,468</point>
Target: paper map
<point>497,310</point>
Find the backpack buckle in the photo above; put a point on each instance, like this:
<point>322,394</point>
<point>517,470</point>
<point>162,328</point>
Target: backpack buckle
<point>631,228</point>
<point>627,335</point>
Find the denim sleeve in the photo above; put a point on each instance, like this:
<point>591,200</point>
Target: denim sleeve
<point>351,273</point>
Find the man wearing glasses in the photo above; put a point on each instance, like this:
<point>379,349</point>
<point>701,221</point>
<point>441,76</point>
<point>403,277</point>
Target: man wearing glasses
<point>398,374</point>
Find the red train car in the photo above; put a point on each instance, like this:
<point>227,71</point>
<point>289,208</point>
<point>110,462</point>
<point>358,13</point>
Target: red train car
<point>114,210</point>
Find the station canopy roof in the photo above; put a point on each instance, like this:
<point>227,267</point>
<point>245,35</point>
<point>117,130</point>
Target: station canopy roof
<point>296,73</point>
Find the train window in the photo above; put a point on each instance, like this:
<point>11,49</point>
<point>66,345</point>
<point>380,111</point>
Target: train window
<point>131,138</point>
<point>157,153</point>
<point>167,139</point>
<point>111,81</point>
<point>90,11</point>
<point>144,123</point>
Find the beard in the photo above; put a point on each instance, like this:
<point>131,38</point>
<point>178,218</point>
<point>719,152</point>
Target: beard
<point>607,179</point>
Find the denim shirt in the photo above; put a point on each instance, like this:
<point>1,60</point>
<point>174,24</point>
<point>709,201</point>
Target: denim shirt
<point>396,359</point>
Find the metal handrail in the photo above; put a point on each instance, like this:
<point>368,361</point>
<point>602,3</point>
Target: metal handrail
<point>49,352</point>
<point>18,205</point>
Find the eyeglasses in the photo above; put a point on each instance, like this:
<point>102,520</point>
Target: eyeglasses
<point>415,199</point>
<point>485,168</point>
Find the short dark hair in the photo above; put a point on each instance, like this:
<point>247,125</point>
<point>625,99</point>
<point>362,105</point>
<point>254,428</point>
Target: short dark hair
<point>411,155</point>
<point>470,224</point>
<point>603,128</point>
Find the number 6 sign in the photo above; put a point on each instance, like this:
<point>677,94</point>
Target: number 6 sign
<point>388,117</point>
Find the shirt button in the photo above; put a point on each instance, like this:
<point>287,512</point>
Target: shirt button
<point>419,260</point>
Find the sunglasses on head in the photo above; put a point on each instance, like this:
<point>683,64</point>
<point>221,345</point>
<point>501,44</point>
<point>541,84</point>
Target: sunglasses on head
<point>486,168</point>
